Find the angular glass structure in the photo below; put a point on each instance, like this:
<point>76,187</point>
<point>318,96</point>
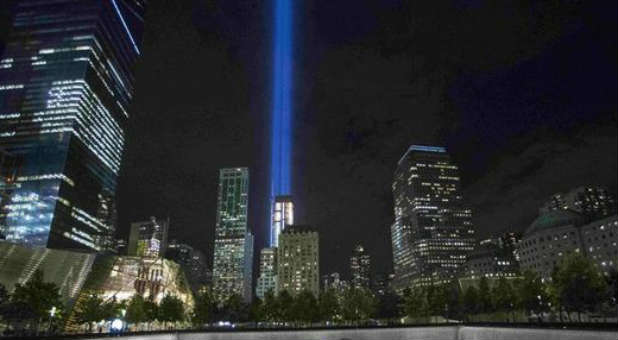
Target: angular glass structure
<point>66,81</point>
<point>432,234</point>
<point>233,250</point>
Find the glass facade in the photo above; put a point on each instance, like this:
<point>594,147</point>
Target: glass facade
<point>233,250</point>
<point>66,80</point>
<point>432,233</point>
<point>282,216</point>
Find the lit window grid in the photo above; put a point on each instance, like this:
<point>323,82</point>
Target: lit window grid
<point>65,57</point>
<point>430,223</point>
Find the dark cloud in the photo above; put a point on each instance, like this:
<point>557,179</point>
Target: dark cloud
<point>509,196</point>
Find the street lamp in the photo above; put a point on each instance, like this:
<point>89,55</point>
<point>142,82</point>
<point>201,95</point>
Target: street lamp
<point>52,312</point>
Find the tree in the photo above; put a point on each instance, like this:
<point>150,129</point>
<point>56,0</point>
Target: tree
<point>503,296</point>
<point>135,310</point>
<point>88,310</point>
<point>112,309</point>
<point>171,309</point>
<point>285,303</point>
<point>485,303</point>
<point>436,296</point>
<point>4,295</point>
<point>328,305</point>
<point>532,294</point>
<point>234,309</point>
<point>389,305</point>
<point>256,310</point>
<point>151,311</point>
<point>579,286</point>
<point>415,304</point>
<point>358,304</point>
<point>305,307</point>
<point>612,285</point>
<point>471,301</point>
<point>454,301</point>
<point>36,298</point>
<point>270,308</point>
<point>204,309</point>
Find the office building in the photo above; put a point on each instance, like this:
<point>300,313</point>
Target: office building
<point>267,281</point>
<point>382,283</point>
<point>192,262</point>
<point>360,267</point>
<point>558,233</point>
<point>492,258</point>
<point>233,249</point>
<point>298,260</point>
<point>432,234</point>
<point>148,238</point>
<point>592,202</point>
<point>282,216</point>
<point>66,82</point>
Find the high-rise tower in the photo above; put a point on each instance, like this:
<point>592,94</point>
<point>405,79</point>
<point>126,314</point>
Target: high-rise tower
<point>66,81</point>
<point>282,216</point>
<point>298,258</point>
<point>233,251</point>
<point>360,267</point>
<point>433,233</point>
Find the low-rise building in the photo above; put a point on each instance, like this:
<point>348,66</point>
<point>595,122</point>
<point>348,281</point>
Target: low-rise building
<point>491,258</point>
<point>558,233</point>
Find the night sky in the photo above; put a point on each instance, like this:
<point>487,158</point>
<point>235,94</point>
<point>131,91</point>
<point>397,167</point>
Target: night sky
<point>522,94</point>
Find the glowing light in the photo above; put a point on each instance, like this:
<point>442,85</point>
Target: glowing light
<point>126,28</point>
<point>281,101</point>
<point>281,129</point>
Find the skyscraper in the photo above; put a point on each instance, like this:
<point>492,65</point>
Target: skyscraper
<point>282,216</point>
<point>298,260</point>
<point>148,238</point>
<point>360,266</point>
<point>66,81</point>
<point>233,250</point>
<point>268,272</point>
<point>432,233</point>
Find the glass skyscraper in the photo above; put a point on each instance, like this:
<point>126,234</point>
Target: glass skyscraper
<point>66,81</point>
<point>282,216</point>
<point>233,250</point>
<point>432,234</point>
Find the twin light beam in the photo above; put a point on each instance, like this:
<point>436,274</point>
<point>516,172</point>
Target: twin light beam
<point>281,133</point>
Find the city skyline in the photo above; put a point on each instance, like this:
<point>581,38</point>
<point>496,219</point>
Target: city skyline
<point>284,166</point>
<point>337,142</point>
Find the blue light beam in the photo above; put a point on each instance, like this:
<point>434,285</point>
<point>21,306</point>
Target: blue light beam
<point>281,132</point>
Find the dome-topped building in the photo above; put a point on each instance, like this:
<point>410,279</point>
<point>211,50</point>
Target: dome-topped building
<point>557,233</point>
<point>556,219</point>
